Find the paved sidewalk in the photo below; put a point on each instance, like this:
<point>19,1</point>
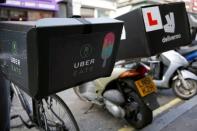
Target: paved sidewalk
<point>180,118</point>
<point>186,122</point>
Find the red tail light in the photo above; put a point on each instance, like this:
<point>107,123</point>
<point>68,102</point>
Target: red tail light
<point>143,69</point>
<point>129,73</point>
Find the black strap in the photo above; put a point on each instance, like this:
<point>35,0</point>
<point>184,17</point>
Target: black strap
<point>87,25</point>
<point>83,20</point>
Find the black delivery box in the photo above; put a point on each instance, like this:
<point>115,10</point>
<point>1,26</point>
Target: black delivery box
<point>54,54</point>
<point>154,29</point>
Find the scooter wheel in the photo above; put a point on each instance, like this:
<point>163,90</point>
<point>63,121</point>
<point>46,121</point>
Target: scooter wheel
<point>181,91</point>
<point>142,115</point>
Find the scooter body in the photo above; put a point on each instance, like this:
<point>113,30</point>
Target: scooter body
<point>92,91</point>
<point>117,93</point>
<point>190,54</point>
<point>172,61</point>
<point>174,73</point>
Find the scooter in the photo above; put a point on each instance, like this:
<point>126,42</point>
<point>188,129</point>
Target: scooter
<point>190,53</point>
<point>128,93</point>
<point>170,70</point>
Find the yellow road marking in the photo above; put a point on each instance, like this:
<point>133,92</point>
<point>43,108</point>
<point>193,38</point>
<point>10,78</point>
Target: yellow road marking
<point>165,107</point>
<point>127,129</point>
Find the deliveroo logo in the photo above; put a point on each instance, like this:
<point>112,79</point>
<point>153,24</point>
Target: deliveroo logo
<point>170,26</point>
<point>108,44</point>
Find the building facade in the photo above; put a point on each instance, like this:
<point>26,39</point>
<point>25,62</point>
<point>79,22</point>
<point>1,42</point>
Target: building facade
<point>89,8</point>
<point>27,10</point>
<point>127,5</point>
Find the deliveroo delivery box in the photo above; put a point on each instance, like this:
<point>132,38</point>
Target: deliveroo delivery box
<point>153,29</point>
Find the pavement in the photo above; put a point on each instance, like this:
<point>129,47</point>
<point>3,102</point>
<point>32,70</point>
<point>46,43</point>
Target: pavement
<point>173,114</point>
<point>185,122</point>
<point>179,118</point>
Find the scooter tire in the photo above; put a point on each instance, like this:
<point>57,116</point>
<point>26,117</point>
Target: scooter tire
<point>144,111</point>
<point>178,92</point>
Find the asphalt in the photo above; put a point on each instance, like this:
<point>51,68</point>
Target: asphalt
<point>98,119</point>
<point>180,118</point>
<point>186,122</point>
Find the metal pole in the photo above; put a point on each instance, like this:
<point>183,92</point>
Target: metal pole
<point>65,9</point>
<point>4,103</point>
<point>4,100</point>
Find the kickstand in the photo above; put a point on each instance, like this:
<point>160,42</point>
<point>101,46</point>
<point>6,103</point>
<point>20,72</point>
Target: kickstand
<point>92,105</point>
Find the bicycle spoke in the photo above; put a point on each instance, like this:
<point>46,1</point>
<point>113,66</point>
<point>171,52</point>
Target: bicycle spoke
<point>58,115</point>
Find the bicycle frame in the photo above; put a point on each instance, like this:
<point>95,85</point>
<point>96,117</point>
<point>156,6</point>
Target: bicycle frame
<point>32,114</point>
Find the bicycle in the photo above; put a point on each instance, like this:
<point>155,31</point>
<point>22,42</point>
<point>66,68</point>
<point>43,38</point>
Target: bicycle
<point>43,113</point>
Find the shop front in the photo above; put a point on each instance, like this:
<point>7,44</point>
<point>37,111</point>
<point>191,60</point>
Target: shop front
<point>27,10</point>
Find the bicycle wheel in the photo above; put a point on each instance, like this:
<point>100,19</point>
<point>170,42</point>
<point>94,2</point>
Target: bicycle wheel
<point>20,108</point>
<point>57,115</point>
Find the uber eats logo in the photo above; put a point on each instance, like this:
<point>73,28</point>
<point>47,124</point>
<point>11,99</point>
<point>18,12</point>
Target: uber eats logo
<point>153,21</point>
<point>86,64</point>
<point>13,47</point>
<point>85,51</point>
<point>15,62</point>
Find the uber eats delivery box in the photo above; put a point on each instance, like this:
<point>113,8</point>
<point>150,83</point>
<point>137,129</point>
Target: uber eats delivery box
<point>51,55</point>
<point>154,29</point>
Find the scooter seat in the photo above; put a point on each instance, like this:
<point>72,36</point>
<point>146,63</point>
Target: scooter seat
<point>187,49</point>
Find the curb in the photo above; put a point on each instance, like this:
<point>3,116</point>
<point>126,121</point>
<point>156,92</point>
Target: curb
<point>165,119</point>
